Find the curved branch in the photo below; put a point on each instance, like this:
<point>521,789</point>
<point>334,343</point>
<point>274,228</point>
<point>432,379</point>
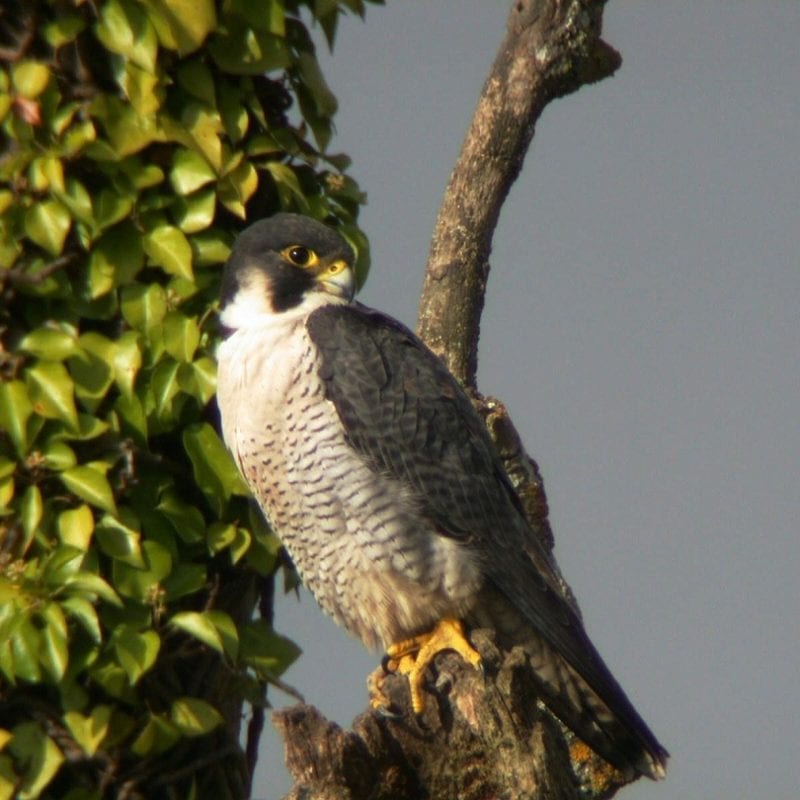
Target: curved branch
<point>551,48</point>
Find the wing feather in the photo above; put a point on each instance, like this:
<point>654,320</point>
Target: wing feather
<point>405,413</point>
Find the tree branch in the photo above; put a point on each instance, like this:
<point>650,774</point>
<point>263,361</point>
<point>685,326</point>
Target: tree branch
<point>478,737</point>
<point>551,48</point>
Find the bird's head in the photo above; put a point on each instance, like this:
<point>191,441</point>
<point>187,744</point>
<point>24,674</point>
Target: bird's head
<point>281,263</point>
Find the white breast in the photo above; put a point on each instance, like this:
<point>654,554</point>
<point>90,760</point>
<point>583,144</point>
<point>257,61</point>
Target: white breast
<point>256,362</point>
<point>355,534</point>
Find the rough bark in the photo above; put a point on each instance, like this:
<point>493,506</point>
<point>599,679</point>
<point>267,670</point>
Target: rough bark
<point>551,48</point>
<point>481,736</point>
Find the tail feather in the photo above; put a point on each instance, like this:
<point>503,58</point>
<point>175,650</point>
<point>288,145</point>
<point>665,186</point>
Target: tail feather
<point>589,702</point>
<point>611,727</point>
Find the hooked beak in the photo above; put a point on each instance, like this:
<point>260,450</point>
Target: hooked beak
<point>337,278</point>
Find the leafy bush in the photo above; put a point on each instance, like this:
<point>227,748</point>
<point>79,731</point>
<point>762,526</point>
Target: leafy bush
<point>137,137</point>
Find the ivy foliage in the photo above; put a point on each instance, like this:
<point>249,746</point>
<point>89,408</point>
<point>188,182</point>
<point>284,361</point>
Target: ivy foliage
<point>136,138</point>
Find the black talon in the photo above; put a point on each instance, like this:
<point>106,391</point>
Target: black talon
<point>389,712</point>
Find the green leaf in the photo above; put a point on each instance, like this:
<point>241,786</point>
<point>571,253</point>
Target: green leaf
<point>29,78</point>
<point>213,467</point>
<point>288,186</point>
<point>238,187</point>
<point>119,541</point>
<point>80,609</point>
<point>260,552</point>
<point>241,546</point>
<point>112,207</point>
<point>91,371</point>
<point>7,488</point>
<point>54,653</point>
<point>115,260</point>
<point>140,584</point>
<point>141,175</point>
<point>186,519</point>
<point>200,626</point>
<point>204,125</point>
<point>266,16</point>
<point>32,747</point>
<point>47,224</point>
<point>93,584</point>
<point>143,307</point>
<point>103,362</point>
<point>233,110</point>
<point>240,50</point>
<point>63,29</point>
<point>183,25</point>
<point>220,536</point>
<point>128,132</point>
<point>15,409</point>
<point>77,137</point>
<point>62,563</point>
<point>190,171</point>
<point>142,88</point>
<point>77,200</point>
<point>90,731</point>
<point>181,335</point>
<point>113,680</point>
<point>204,383</point>
<point>126,360</point>
<point>46,172</point>
<point>25,645</point>
<point>226,628</point>
<point>185,579</point>
<point>124,28</point>
<point>164,386</point>
<point>91,485</point>
<point>136,650</point>
<point>52,392</point>
<point>194,717</point>
<point>196,213</point>
<point>89,427</point>
<point>31,509</point>
<point>197,79</point>
<point>167,247</point>
<point>210,247</point>
<point>131,412</point>
<point>157,736</point>
<point>312,78</point>
<point>49,344</point>
<point>122,727</point>
<point>266,651</point>
<point>58,455</point>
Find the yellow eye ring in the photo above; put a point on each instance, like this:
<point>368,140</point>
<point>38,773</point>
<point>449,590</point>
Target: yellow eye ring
<point>300,256</point>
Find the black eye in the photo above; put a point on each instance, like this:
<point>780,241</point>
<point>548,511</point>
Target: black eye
<point>300,256</point>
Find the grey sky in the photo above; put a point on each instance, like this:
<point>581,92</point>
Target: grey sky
<point>643,325</point>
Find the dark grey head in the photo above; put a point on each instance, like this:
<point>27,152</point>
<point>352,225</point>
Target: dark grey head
<point>278,262</point>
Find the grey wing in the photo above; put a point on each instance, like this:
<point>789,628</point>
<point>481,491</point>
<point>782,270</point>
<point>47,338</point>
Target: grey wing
<point>404,412</point>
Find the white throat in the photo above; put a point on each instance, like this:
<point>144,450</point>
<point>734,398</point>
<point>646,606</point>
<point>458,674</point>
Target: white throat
<point>251,309</point>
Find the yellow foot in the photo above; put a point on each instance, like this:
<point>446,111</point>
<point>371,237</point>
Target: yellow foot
<point>412,657</point>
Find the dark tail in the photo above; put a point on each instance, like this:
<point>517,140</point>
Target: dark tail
<point>608,723</point>
<point>576,685</point>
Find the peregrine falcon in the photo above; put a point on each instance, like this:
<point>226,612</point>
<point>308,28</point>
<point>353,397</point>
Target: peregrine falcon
<point>369,461</point>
